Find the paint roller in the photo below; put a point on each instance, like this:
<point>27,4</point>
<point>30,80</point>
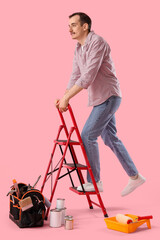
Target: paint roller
<point>121,218</point>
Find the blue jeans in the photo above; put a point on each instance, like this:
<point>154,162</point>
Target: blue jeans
<point>101,122</point>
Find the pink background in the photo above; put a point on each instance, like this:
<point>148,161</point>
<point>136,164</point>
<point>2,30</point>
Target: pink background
<point>36,53</point>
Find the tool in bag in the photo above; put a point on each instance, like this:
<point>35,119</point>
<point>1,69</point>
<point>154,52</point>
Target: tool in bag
<point>28,209</point>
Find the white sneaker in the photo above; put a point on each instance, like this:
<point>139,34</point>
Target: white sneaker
<point>89,187</point>
<point>133,184</point>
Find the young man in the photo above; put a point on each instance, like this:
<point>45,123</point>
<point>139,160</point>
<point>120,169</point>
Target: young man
<point>93,69</point>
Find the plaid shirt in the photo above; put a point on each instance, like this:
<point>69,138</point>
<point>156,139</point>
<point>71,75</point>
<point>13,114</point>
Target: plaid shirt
<point>93,69</point>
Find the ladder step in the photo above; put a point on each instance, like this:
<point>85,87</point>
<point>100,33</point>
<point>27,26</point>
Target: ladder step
<point>63,142</point>
<point>74,189</point>
<point>72,166</point>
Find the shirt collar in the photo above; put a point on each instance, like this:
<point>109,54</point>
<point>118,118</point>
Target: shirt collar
<point>87,39</point>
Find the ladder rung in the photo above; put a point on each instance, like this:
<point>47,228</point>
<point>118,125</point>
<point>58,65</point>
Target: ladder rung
<point>63,142</point>
<point>74,189</point>
<point>72,166</point>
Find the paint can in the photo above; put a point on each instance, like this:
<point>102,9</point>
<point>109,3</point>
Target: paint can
<point>68,222</point>
<point>60,203</point>
<point>55,218</point>
<point>63,215</point>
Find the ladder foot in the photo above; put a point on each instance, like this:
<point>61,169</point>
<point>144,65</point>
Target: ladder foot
<point>46,218</point>
<point>91,207</point>
<point>106,215</point>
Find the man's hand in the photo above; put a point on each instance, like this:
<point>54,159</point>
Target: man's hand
<point>56,102</point>
<point>62,104</point>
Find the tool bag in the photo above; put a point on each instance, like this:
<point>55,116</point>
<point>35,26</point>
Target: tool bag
<point>31,217</point>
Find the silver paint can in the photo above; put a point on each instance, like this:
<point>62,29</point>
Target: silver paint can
<point>60,203</point>
<point>55,218</point>
<point>63,215</point>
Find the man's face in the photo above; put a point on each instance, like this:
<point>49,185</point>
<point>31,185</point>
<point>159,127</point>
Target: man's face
<point>76,30</point>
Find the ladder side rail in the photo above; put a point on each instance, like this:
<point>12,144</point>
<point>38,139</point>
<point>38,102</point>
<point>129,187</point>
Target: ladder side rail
<point>63,122</point>
<point>75,160</point>
<point>50,161</point>
<point>82,147</point>
<point>72,149</point>
<point>59,170</point>
<point>70,146</point>
<point>67,169</point>
<point>91,174</point>
<point>73,155</point>
<point>86,159</point>
<point>80,176</point>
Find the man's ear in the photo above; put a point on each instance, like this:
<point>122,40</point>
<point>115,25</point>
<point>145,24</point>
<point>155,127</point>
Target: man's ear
<point>85,26</point>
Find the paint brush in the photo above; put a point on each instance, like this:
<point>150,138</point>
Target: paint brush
<point>26,203</point>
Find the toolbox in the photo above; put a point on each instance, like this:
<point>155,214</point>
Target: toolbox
<point>34,215</point>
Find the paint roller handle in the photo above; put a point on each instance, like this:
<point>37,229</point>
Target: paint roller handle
<point>145,217</point>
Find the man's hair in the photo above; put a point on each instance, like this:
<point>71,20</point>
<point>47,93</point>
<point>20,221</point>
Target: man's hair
<point>84,18</point>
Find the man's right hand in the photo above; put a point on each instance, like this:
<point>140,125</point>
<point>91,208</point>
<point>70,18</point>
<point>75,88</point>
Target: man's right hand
<point>56,102</point>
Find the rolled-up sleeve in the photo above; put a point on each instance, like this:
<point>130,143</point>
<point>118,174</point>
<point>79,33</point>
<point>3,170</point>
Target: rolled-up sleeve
<point>75,73</point>
<point>93,63</point>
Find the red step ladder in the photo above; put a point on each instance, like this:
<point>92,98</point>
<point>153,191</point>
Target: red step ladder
<point>75,166</point>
